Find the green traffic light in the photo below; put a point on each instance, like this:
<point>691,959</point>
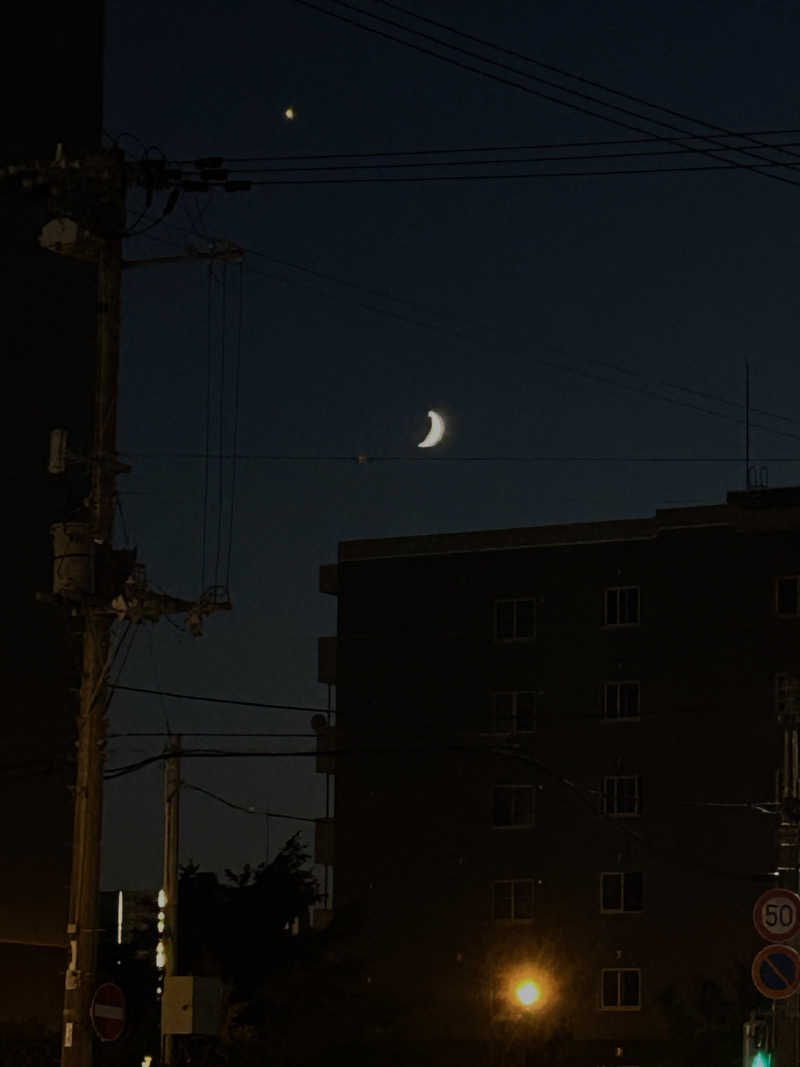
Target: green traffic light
<point>762,1059</point>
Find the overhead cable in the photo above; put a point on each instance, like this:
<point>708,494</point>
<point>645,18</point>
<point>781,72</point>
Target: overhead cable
<point>244,808</point>
<point>628,142</point>
<point>467,335</point>
<point>219,700</point>
<point>579,95</point>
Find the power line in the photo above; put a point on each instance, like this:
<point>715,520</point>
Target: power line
<point>590,797</point>
<point>130,634</point>
<point>582,108</point>
<point>561,72</point>
<point>218,700</point>
<point>235,443</point>
<point>614,172</point>
<point>585,374</point>
<point>537,147</point>
<point>485,162</point>
<point>642,101</point>
<point>244,808</point>
<point>221,417</point>
<point>207,438</point>
<point>364,459</point>
<point>207,733</point>
<point>469,338</point>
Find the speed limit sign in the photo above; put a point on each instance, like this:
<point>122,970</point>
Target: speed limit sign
<point>776,914</point>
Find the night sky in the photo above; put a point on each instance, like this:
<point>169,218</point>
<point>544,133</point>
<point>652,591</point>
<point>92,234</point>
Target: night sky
<point>554,317</point>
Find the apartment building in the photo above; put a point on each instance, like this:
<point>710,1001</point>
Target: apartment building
<point>556,761</point>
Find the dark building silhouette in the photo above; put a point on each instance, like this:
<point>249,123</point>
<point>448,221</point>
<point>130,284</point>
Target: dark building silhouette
<point>52,88</point>
<point>552,746</point>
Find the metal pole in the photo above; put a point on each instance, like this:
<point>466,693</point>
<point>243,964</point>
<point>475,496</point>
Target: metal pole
<point>326,886</point>
<point>80,983</point>
<point>172,795</point>
<point>785,1012</point>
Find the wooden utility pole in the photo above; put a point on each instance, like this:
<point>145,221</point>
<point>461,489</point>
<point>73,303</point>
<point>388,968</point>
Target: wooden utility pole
<point>172,796</point>
<point>82,920</point>
<point>87,208</point>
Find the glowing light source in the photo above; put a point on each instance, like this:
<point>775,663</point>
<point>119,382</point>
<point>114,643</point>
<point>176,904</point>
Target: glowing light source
<point>162,899</point>
<point>528,993</point>
<point>435,433</point>
<point>119,917</point>
<point>161,956</point>
<point>289,113</point>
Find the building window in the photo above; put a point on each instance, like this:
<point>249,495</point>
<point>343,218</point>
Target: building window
<point>622,795</point>
<point>622,605</point>
<point>621,989</point>
<point>512,901</point>
<point>621,700</point>
<point>514,712</point>
<point>787,695</point>
<point>512,805</point>
<point>788,596</point>
<point>621,891</point>
<point>515,620</point>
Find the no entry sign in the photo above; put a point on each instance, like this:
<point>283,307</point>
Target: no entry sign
<point>776,971</point>
<point>776,914</point>
<point>108,1012</point>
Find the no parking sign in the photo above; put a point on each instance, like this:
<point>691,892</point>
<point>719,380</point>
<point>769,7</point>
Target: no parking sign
<point>776,971</point>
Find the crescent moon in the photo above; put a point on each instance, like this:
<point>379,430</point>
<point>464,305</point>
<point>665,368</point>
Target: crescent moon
<point>435,433</point>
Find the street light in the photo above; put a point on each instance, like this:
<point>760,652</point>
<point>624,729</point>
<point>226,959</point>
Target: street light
<point>528,993</point>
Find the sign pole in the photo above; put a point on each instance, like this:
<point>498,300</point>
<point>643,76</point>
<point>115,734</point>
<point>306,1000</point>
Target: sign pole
<point>172,795</point>
<point>788,878</point>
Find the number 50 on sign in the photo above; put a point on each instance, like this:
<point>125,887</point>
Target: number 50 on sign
<point>776,914</point>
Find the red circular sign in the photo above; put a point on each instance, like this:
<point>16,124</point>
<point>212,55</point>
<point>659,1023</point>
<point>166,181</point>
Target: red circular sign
<point>776,914</point>
<point>108,1012</point>
<point>776,971</point>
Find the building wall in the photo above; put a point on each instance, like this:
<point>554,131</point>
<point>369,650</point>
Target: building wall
<point>52,84</point>
<point>416,849</point>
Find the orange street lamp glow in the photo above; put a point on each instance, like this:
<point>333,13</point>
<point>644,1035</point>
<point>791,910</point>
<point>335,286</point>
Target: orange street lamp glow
<point>528,993</point>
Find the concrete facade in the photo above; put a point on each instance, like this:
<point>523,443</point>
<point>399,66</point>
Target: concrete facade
<point>473,829</point>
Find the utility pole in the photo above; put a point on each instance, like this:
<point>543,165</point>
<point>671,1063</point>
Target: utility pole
<point>785,1018</point>
<point>86,201</point>
<point>172,796</point>
<point>82,919</point>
